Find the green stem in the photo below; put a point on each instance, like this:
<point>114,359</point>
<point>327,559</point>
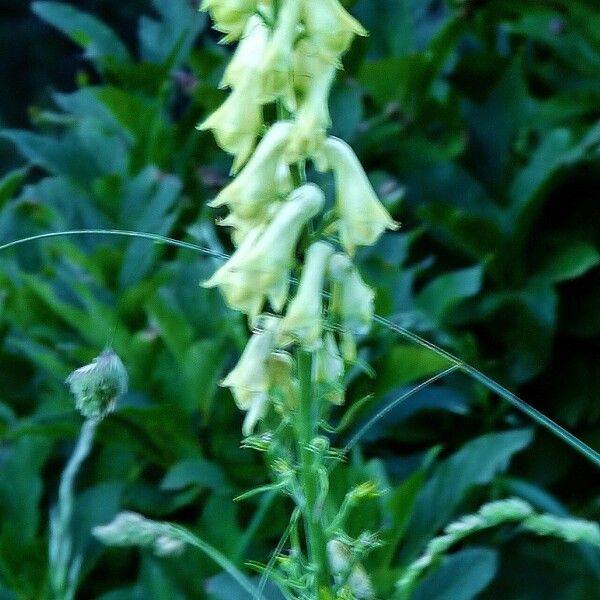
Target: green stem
<point>308,419</point>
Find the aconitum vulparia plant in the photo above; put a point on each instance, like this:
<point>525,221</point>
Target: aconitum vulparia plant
<point>304,335</point>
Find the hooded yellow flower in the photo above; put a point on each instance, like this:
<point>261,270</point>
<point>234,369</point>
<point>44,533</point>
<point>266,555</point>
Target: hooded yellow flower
<point>249,380</point>
<point>249,55</point>
<point>278,61</point>
<point>259,182</point>
<point>313,78</point>
<point>303,321</point>
<point>230,16</point>
<point>330,26</point>
<point>238,121</point>
<point>260,268</point>
<point>362,217</point>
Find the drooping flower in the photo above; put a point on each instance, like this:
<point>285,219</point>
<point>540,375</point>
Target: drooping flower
<point>238,121</point>
<point>259,183</point>
<point>249,55</point>
<point>362,217</point>
<point>260,268</point>
<point>328,370</point>
<point>303,321</point>
<point>313,80</point>
<point>230,16</point>
<point>249,380</point>
<point>330,25</point>
<point>278,61</point>
<point>99,385</point>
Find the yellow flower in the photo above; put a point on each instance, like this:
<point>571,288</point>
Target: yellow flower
<point>249,55</point>
<point>313,78</point>
<point>352,299</point>
<point>238,121</point>
<point>304,320</point>
<point>362,217</point>
<point>329,370</point>
<point>330,26</point>
<point>278,60</point>
<point>230,16</point>
<point>259,182</point>
<point>260,268</point>
<point>249,380</point>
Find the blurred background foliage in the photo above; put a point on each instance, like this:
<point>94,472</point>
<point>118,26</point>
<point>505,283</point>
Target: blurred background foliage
<point>479,124</point>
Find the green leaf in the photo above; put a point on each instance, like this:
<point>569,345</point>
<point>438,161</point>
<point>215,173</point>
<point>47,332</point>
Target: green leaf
<point>406,363</point>
<point>98,40</point>
<point>440,296</point>
<point>10,183</point>
<point>171,37</point>
<point>196,472</point>
<point>84,153</point>
<point>476,463</point>
<point>569,261</point>
<point>461,577</point>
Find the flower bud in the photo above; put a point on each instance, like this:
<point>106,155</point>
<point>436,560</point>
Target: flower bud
<point>230,16</point>
<point>362,216</point>
<point>352,298</point>
<point>260,267</point>
<point>99,385</point>
<point>304,319</point>
<point>330,27</point>
<point>131,529</point>
<point>340,561</point>
<point>259,182</point>
<point>238,121</point>
<point>328,371</point>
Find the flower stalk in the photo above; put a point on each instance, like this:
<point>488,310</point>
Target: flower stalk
<point>289,54</point>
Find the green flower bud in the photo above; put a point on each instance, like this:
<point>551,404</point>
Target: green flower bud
<point>99,385</point>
